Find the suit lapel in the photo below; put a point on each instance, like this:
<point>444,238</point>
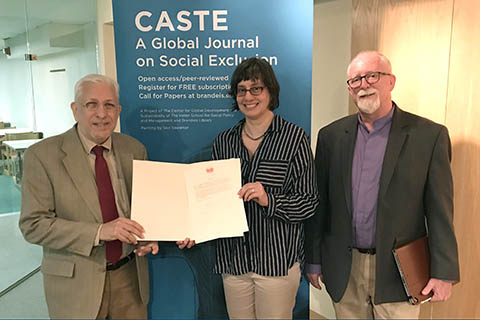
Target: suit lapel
<point>76,164</point>
<point>348,146</point>
<point>396,139</point>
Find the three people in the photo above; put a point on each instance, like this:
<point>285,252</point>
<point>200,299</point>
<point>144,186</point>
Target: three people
<point>383,177</point>
<point>384,180</point>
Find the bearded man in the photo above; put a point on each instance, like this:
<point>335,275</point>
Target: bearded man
<point>384,180</point>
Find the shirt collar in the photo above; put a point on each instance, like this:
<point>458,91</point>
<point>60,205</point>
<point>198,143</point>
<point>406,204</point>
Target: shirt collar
<point>379,123</point>
<point>88,144</point>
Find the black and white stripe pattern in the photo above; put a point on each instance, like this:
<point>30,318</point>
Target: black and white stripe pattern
<point>283,163</point>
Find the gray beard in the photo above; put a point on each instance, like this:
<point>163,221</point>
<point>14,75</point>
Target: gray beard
<point>369,106</point>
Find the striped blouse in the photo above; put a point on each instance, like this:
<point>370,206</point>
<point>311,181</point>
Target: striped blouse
<point>283,164</point>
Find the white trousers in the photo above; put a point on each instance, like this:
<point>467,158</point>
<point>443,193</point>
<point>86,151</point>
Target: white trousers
<point>252,296</point>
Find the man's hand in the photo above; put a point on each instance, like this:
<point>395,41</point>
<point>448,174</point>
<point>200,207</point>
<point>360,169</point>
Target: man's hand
<point>185,243</point>
<point>313,278</point>
<point>442,290</point>
<point>122,229</point>
<point>145,248</point>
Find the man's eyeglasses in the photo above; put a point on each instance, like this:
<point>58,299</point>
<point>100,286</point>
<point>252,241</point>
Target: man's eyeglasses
<point>93,106</point>
<point>254,91</point>
<point>370,77</point>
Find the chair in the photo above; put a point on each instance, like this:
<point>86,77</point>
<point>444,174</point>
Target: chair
<point>5,125</point>
<point>10,161</point>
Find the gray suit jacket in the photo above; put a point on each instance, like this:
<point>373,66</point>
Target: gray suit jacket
<point>416,191</point>
<point>61,212</point>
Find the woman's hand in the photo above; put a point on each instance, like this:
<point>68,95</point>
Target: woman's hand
<point>254,191</point>
<point>144,248</point>
<point>185,243</point>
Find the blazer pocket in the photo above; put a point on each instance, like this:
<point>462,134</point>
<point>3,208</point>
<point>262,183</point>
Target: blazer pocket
<point>272,173</point>
<point>58,268</point>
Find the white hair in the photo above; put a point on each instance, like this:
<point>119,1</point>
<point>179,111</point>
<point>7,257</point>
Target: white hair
<point>95,78</point>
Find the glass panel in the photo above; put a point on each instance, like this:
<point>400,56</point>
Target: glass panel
<point>60,40</point>
<point>16,104</point>
<point>15,76</point>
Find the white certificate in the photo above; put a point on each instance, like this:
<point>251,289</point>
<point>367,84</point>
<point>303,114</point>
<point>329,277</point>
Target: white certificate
<point>173,201</point>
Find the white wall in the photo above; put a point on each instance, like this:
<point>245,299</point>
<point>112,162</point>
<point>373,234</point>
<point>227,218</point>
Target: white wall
<point>15,92</point>
<point>53,91</point>
<point>106,59</point>
<point>331,55</point>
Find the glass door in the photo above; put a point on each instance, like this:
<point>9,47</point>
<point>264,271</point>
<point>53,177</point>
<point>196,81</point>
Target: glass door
<point>45,47</point>
<point>17,117</point>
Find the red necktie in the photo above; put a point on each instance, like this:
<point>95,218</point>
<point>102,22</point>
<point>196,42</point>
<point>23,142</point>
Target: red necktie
<point>107,201</point>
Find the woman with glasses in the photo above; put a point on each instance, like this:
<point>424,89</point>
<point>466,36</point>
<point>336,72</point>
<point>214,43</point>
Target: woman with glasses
<point>261,270</point>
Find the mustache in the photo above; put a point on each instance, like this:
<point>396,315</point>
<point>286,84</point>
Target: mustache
<point>365,92</point>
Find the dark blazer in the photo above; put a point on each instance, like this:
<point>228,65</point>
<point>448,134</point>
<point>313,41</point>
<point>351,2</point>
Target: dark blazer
<point>416,192</point>
<point>61,212</point>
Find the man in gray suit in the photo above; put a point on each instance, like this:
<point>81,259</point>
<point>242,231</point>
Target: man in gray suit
<point>76,204</point>
<point>384,180</point>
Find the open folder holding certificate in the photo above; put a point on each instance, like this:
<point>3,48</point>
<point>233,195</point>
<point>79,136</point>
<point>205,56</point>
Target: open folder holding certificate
<point>173,201</point>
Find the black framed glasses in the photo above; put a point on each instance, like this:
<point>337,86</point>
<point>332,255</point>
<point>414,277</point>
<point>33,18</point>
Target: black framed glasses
<point>370,77</point>
<point>254,91</point>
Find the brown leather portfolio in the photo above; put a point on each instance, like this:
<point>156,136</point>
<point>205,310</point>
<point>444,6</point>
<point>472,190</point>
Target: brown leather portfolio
<point>413,262</point>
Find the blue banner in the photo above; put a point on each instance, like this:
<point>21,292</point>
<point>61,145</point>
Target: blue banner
<point>174,63</point>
